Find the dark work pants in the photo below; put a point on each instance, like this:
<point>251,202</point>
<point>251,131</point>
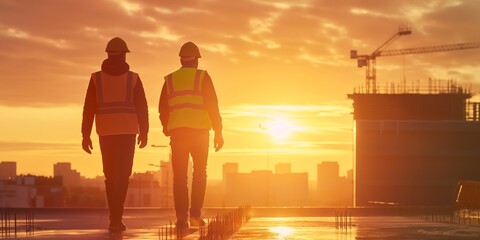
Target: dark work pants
<point>117,158</point>
<point>186,142</point>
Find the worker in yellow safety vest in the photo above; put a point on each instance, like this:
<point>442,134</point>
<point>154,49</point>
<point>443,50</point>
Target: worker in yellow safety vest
<point>188,110</point>
<point>116,100</point>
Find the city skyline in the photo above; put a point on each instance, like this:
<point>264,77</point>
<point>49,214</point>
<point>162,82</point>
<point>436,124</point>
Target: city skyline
<point>6,169</point>
<point>68,188</point>
<point>265,74</point>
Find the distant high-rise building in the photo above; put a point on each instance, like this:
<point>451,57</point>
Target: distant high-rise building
<point>166,183</point>
<point>8,170</point>
<point>70,177</point>
<point>263,188</point>
<point>32,191</point>
<point>350,175</point>
<point>328,182</point>
<point>328,170</point>
<point>61,168</point>
<point>283,168</point>
<point>229,168</point>
<point>144,191</point>
<point>412,148</point>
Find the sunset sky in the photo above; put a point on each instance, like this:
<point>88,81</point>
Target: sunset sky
<point>275,64</point>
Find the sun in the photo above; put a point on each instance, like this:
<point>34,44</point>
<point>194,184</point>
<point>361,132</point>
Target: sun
<point>282,231</point>
<point>279,129</point>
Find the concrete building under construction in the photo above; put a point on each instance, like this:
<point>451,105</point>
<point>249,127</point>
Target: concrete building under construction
<point>412,148</point>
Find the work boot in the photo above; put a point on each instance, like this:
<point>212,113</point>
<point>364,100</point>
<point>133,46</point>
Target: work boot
<point>197,221</point>
<point>181,224</point>
<point>117,226</point>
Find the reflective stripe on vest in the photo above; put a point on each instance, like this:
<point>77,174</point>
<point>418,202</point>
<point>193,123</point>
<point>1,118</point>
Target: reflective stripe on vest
<point>185,100</point>
<point>115,113</point>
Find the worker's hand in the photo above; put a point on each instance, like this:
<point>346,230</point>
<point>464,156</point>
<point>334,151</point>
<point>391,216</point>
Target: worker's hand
<point>142,140</point>
<point>87,145</point>
<point>218,142</point>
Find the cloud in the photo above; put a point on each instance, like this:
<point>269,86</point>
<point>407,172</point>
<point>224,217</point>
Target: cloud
<point>217,48</point>
<point>11,32</point>
<point>23,35</point>
<point>94,32</point>
<point>9,146</point>
<point>44,43</point>
<point>282,151</point>
<point>416,13</point>
<point>334,31</point>
<point>163,33</point>
<point>314,59</point>
<point>461,74</point>
<point>255,53</point>
<point>263,25</point>
<point>284,5</point>
<point>168,11</point>
<point>304,119</point>
<point>332,145</point>
<point>130,7</point>
<point>329,58</point>
<point>270,44</point>
<point>370,13</point>
<point>267,43</point>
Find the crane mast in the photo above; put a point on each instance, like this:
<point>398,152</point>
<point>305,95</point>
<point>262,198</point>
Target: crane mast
<point>369,61</point>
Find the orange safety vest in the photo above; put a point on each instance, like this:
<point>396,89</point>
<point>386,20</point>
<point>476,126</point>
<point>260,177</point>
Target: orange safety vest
<point>115,113</point>
<point>185,100</point>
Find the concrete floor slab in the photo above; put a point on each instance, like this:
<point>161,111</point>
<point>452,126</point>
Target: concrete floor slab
<point>363,228</point>
<point>145,224</point>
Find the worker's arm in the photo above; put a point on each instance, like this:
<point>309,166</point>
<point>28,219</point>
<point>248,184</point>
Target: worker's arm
<point>163,109</point>
<point>88,115</point>
<point>211,105</point>
<point>141,107</point>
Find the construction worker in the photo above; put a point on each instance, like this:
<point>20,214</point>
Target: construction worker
<point>188,110</point>
<point>116,99</point>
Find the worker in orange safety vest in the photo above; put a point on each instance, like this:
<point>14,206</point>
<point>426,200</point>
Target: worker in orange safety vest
<point>116,100</point>
<point>188,110</point>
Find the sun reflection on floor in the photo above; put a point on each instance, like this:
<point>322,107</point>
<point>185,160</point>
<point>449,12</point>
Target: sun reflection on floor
<point>282,231</point>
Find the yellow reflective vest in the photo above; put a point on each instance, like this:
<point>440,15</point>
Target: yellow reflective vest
<point>185,100</point>
<point>115,113</point>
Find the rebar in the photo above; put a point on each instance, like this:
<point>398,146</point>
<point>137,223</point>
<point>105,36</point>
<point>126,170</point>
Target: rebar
<point>343,219</point>
<point>225,225</point>
<point>10,224</point>
<point>449,215</point>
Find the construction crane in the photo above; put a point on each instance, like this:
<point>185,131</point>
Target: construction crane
<point>370,60</point>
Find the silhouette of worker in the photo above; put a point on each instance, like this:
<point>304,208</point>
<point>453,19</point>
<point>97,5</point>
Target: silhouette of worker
<point>188,110</point>
<point>116,99</point>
